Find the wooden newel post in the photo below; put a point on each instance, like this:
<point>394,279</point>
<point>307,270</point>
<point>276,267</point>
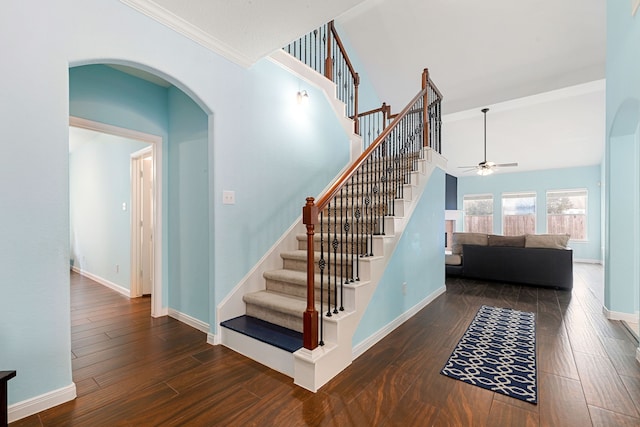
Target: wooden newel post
<point>310,316</point>
<point>328,62</point>
<point>425,107</point>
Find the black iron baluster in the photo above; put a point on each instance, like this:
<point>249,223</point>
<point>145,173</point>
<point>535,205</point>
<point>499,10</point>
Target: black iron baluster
<point>369,203</point>
<point>351,249</point>
<point>328,260</point>
<point>378,191</point>
<point>344,230</point>
<point>358,214</point>
<point>321,264</point>
<point>335,244</point>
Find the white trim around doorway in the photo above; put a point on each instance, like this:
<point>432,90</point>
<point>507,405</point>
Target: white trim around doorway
<point>157,309</point>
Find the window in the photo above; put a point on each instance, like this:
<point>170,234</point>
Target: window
<point>567,213</point>
<point>478,213</point>
<point>518,213</point>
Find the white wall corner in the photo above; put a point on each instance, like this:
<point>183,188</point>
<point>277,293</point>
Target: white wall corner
<point>164,311</point>
<point>28,407</point>
<point>213,339</point>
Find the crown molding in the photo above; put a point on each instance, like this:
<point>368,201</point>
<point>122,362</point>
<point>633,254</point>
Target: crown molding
<point>178,24</point>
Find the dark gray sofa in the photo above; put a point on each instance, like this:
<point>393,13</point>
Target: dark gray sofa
<point>534,266</point>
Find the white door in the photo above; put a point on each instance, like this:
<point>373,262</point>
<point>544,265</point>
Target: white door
<point>146,225</point>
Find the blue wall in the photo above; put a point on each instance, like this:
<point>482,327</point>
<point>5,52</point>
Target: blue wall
<point>188,174</point>
<point>99,183</point>
<point>541,181</point>
<point>622,164</point>
<point>106,95</point>
<point>279,154</point>
<point>417,261</point>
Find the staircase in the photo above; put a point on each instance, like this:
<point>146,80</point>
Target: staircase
<point>282,300</point>
<point>300,320</point>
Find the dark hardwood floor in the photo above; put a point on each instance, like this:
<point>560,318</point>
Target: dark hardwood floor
<point>132,370</point>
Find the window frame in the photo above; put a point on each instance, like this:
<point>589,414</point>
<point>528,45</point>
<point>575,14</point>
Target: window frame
<point>520,194</point>
<point>585,191</point>
<point>480,196</point>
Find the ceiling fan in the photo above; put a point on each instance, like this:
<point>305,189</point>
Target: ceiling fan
<point>486,168</point>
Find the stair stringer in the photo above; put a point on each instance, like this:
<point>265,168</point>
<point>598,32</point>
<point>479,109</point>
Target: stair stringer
<point>314,368</point>
<point>233,305</point>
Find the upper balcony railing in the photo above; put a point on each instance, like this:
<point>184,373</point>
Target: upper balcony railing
<point>323,51</point>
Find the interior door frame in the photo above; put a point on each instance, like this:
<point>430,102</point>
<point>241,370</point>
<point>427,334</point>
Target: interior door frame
<point>157,309</point>
<point>136,208</point>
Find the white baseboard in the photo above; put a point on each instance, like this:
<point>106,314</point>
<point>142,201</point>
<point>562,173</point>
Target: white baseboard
<point>120,289</point>
<point>191,321</point>
<point>365,345</point>
<point>617,315</point>
<point>23,409</point>
<point>213,339</point>
<point>587,261</point>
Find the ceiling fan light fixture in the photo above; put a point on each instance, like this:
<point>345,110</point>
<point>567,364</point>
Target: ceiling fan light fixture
<point>485,168</point>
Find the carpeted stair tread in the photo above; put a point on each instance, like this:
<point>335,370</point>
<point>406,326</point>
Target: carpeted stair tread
<point>302,255</point>
<point>289,276</point>
<point>280,303</point>
<point>295,277</point>
<point>275,335</point>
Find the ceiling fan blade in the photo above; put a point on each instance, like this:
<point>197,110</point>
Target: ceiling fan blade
<point>468,167</point>
<point>504,165</point>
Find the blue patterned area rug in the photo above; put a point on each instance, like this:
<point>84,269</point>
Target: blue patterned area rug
<point>498,352</point>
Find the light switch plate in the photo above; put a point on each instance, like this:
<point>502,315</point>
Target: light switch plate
<point>228,197</point>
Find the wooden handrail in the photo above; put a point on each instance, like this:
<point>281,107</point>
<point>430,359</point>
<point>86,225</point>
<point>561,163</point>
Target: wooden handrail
<point>342,49</point>
<point>435,88</point>
<point>312,209</point>
<point>333,190</point>
<point>329,69</point>
<point>381,109</point>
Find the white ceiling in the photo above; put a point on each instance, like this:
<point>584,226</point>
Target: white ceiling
<point>500,54</point>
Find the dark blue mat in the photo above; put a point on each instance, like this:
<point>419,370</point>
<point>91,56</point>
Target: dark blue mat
<point>276,335</point>
<point>498,353</point>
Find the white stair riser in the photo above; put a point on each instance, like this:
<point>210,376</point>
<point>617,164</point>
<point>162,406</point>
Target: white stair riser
<point>277,318</point>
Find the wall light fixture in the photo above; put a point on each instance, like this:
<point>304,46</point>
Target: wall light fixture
<point>303,97</point>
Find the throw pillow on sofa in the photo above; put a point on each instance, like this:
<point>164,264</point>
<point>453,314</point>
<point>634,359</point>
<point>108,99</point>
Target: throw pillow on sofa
<point>553,241</point>
<point>460,239</point>
<point>511,241</point>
